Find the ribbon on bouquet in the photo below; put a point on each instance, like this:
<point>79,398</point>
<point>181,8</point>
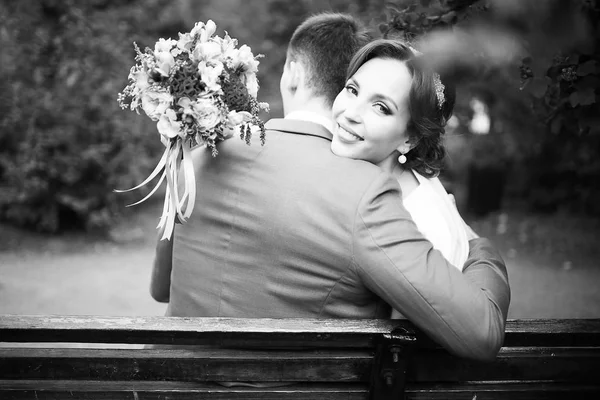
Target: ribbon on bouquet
<point>177,156</point>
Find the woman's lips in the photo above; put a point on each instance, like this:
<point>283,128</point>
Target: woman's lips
<point>347,135</point>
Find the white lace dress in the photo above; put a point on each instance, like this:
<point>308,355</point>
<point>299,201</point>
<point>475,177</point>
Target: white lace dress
<point>438,220</point>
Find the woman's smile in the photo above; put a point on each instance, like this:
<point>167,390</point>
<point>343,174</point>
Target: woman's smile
<point>347,135</point>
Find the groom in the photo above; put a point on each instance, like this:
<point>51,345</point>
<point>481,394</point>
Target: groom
<point>290,230</point>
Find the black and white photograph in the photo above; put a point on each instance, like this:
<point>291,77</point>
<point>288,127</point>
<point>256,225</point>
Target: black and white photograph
<point>299,199</point>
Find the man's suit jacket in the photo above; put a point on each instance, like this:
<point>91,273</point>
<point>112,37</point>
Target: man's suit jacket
<point>288,229</point>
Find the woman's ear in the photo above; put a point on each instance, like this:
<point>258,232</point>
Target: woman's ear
<point>406,146</point>
<point>412,143</point>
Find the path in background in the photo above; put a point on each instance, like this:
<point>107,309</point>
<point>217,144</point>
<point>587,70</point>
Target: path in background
<point>552,264</point>
<point>76,274</point>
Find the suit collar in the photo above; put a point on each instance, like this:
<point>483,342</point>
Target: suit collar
<point>299,127</point>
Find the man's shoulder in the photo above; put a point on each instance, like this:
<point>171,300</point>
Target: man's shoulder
<point>298,127</point>
<point>311,142</point>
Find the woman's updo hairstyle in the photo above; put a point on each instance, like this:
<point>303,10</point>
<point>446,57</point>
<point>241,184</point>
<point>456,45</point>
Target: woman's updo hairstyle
<point>427,119</point>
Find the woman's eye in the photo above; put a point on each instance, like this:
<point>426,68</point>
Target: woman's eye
<point>382,108</point>
<point>351,89</point>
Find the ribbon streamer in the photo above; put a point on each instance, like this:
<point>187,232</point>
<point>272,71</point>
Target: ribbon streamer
<point>176,156</point>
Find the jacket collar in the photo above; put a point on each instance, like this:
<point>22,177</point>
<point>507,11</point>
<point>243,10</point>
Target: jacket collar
<point>299,127</point>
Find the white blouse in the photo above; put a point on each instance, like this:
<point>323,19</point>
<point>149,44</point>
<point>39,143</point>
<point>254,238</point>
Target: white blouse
<point>438,219</point>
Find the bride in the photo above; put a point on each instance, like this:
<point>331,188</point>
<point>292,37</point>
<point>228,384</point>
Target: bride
<point>392,113</point>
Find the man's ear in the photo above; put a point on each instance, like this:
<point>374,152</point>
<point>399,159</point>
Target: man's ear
<point>296,75</point>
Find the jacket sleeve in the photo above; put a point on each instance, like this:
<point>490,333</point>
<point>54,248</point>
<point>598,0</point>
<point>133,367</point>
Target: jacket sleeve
<point>465,312</point>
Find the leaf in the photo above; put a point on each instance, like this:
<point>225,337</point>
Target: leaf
<point>583,97</point>
<point>587,97</point>
<point>587,68</point>
<point>538,86</point>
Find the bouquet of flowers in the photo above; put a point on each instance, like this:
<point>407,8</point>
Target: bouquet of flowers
<point>200,90</point>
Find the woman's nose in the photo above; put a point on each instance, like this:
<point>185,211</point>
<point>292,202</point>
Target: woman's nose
<point>352,111</point>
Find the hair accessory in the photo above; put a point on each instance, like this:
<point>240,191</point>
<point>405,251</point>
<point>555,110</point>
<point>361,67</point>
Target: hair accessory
<point>437,82</point>
<point>439,89</point>
<point>402,159</point>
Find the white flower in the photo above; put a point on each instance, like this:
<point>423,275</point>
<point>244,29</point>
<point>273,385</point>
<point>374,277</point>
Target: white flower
<point>155,103</point>
<point>168,125</point>
<point>206,51</point>
<point>186,106</point>
<point>252,85</point>
<point>164,45</point>
<point>163,56</point>
<point>206,114</point>
<point>140,77</point>
<point>198,26</point>
<point>209,74</point>
<point>185,42</point>
<point>204,111</point>
<point>203,31</point>
<point>235,118</point>
<point>209,29</point>
<point>227,44</point>
<point>245,59</point>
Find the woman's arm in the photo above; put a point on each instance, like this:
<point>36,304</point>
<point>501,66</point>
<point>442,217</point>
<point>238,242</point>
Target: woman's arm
<point>160,281</point>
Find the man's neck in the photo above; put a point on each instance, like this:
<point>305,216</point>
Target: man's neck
<point>310,116</point>
<point>314,106</point>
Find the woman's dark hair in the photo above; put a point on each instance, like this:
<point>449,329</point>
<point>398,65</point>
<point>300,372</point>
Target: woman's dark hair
<point>427,119</point>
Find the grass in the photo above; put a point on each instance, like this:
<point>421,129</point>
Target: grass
<point>552,262</point>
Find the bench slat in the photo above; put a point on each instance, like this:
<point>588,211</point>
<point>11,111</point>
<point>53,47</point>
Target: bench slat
<point>228,332</point>
<point>553,332</point>
<point>186,365</point>
<point>503,391</point>
<point>558,364</point>
<point>578,364</point>
<point>92,390</point>
<point>262,332</point>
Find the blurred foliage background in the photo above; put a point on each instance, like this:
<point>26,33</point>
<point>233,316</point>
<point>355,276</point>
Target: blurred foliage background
<point>526,131</point>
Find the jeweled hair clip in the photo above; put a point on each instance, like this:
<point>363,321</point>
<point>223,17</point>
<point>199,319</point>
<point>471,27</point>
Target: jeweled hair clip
<point>439,89</point>
<point>437,83</point>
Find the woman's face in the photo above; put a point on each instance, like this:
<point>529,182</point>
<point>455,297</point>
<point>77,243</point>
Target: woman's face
<point>371,113</point>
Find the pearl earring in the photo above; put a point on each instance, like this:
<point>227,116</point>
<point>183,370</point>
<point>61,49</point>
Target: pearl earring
<point>402,159</point>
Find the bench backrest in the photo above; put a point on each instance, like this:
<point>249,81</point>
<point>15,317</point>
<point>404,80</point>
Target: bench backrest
<point>316,359</point>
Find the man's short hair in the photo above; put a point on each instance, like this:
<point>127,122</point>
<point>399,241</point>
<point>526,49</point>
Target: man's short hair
<point>325,44</point>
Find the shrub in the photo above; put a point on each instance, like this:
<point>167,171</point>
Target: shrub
<point>64,142</point>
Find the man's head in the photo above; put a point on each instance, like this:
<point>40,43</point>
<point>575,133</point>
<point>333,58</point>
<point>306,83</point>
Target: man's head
<point>317,59</point>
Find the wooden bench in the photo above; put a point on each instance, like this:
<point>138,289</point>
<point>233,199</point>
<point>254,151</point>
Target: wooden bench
<point>320,359</point>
